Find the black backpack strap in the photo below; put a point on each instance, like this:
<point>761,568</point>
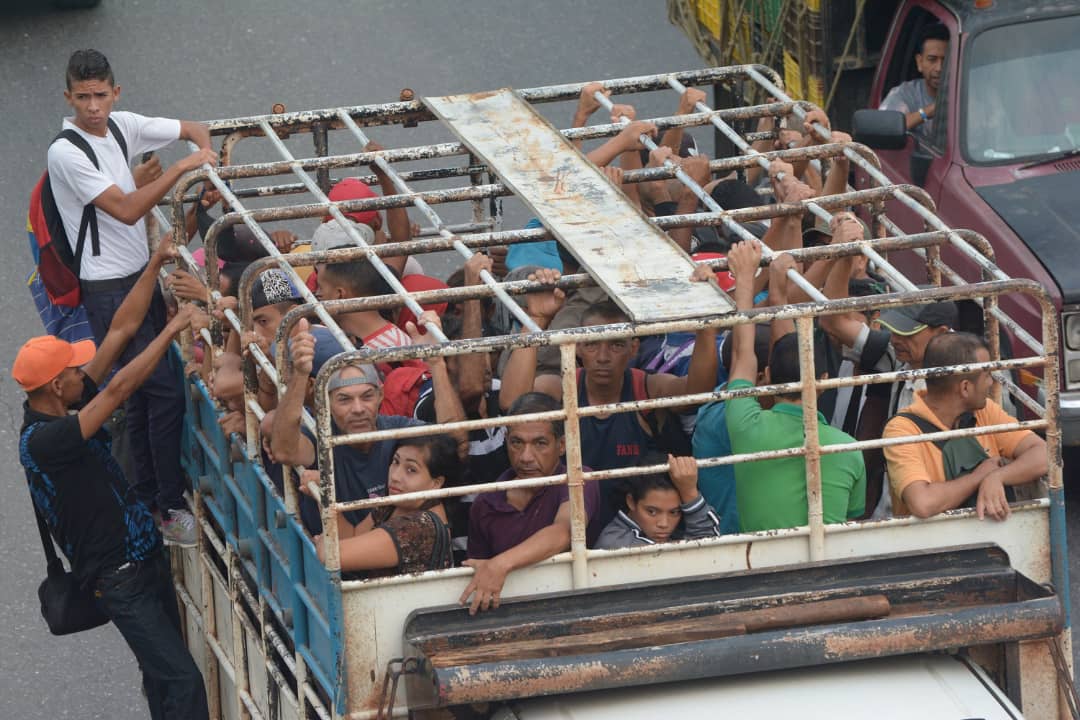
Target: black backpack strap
<point>115,130</point>
<point>441,554</point>
<point>89,216</point>
<point>925,426</point>
<point>46,540</point>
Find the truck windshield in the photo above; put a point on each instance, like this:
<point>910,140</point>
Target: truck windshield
<point>1023,100</point>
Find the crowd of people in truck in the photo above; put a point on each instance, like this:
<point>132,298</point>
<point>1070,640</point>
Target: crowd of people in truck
<point>106,520</point>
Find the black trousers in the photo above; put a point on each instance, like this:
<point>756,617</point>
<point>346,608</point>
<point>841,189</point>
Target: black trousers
<point>141,602</point>
<point>155,412</point>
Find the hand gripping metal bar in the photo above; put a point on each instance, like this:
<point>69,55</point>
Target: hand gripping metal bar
<point>346,224</point>
<point>895,278</point>
<point>420,204</point>
<point>268,245</point>
<point>708,201</point>
<point>879,177</point>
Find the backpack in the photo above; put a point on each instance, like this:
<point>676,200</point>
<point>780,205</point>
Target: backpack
<point>57,267</point>
<point>959,455</point>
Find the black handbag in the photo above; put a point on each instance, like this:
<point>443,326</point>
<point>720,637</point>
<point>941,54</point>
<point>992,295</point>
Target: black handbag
<point>67,606</point>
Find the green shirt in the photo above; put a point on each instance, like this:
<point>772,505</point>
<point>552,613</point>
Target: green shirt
<point>771,494</point>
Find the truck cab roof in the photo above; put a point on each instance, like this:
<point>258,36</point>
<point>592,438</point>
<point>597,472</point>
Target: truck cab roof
<point>974,19</point>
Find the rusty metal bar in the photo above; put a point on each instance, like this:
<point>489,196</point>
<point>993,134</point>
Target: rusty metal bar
<point>929,217</point>
<point>625,330</point>
<point>955,278</point>
<point>354,235</point>
<point>420,204</point>
<point>710,203</point>
<point>397,112</point>
<point>897,279</point>
<point>804,327</point>
<point>683,400</point>
<point>575,484</point>
<point>734,459</point>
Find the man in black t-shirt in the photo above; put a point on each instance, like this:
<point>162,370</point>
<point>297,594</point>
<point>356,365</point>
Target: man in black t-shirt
<point>107,534</point>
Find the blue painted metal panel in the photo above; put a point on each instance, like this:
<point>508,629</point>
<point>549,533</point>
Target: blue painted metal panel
<point>277,553</point>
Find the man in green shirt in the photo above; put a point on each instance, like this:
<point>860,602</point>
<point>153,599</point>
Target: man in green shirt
<point>772,493</point>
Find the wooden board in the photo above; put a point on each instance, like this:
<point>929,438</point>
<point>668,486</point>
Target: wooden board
<point>640,267</point>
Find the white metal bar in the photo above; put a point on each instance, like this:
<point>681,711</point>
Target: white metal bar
<point>420,204</point>
<point>708,201</point>
<point>896,278</point>
<point>933,220</point>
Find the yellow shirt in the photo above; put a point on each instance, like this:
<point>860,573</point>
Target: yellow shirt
<point>923,461</point>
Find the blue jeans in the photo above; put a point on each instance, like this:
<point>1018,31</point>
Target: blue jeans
<point>141,602</point>
<point>155,412</point>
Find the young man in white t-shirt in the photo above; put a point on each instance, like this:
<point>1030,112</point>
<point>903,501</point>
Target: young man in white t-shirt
<point>108,272</point>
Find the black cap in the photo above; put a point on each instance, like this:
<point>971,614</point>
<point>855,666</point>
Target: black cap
<point>911,319</point>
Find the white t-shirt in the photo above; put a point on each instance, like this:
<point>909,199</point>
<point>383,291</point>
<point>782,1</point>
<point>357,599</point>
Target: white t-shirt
<point>76,182</point>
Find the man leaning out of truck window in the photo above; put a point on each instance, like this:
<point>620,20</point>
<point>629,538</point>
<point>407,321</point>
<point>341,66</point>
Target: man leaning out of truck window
<point>980,469</point>
<point>511,529</point>
<point>917,98</point>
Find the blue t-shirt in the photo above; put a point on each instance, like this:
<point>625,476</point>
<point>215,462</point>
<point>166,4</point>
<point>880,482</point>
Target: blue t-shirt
<point>544,253</point>
<point>716,484</point>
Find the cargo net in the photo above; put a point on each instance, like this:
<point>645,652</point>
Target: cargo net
<point>489,316</point>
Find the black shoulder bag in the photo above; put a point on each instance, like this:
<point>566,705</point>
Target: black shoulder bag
<point>67,606</point>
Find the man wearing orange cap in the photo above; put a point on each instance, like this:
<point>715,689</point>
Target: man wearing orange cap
<point>107,534</point>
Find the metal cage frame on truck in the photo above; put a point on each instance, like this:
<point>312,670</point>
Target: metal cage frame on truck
<point>279,634</point>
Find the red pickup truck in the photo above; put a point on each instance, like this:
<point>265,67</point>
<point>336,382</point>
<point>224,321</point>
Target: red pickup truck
<point>1003,157</point>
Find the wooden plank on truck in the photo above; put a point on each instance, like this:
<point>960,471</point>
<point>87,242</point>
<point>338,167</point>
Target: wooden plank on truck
<point>637,264</point>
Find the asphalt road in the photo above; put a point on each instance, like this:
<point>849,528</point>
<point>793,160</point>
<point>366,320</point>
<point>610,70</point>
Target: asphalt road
<point>218,59</point>
<point>209,60</point>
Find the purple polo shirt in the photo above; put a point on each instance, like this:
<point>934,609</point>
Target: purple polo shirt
<point>495,525</point>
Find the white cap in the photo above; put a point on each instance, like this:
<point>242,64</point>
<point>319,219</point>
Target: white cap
<point>331,234</point>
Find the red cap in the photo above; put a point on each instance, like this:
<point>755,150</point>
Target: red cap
<point>354,189</point>
<point>43,358</point>
<point>724,279</point>
<point>419,283</point>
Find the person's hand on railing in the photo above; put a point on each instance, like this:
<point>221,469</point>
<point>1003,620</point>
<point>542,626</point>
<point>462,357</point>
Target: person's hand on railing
<point>165,252</point>
<point>283,240</point>
<point>543,305</point>
<point>194,161</point>
<point>187,287</point>
<point>474,266</point>
<point>778,278</point>
<point>614,174</point>
<point>689,99</point>
<point>786,187</point>
<point>302,350</point>
<point>683,472</point>
<point>697,167</point>
<point>486,585</point>
<point>991,500</point>
<point>418,331</point>
<point>629,138</point>
<point>622,110</point>
<point>223,303</point>
<point>233,422</point>
<point>587,103</point>
<point>816,116</point>
<point>308,478</point>
<point>744,260</point>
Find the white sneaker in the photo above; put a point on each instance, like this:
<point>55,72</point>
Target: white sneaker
<point>178,528</point>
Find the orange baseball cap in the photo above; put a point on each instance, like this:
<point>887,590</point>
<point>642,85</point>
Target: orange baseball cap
<point>44,357</point>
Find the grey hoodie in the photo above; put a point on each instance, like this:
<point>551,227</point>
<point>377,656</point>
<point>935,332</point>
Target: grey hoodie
<point>699,521</point>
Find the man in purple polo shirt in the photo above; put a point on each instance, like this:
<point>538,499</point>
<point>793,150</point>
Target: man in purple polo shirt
<point>515,528</point>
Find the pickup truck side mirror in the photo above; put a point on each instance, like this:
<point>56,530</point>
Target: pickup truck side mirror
<point>880,129</point>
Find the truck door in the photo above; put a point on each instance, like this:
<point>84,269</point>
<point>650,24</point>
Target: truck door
<point>926,160</point>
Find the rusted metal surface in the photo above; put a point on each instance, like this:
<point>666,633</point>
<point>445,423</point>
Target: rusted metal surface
<point>804,327</point>
<point>935,601</point>
<point>639,266</point>
<point>574,474</point>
